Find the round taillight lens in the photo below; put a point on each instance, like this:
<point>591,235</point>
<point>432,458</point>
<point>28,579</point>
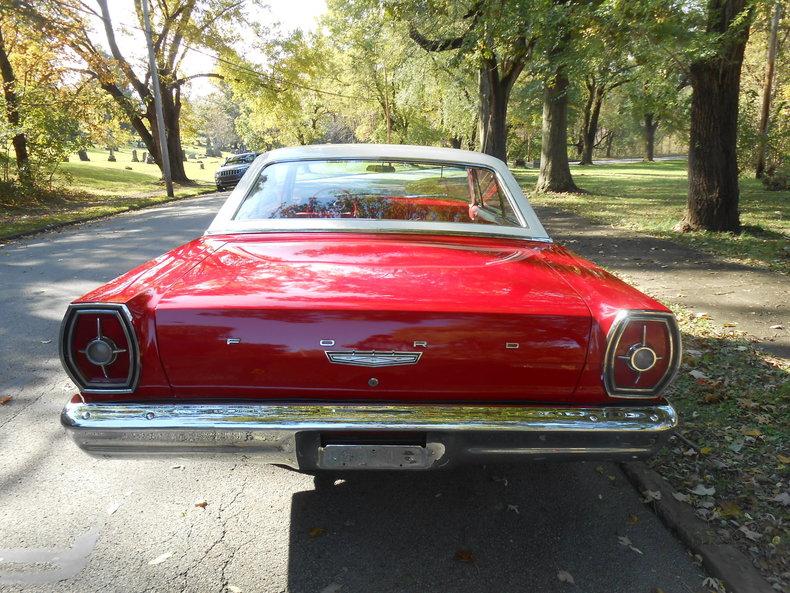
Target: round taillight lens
<point>643,354</point>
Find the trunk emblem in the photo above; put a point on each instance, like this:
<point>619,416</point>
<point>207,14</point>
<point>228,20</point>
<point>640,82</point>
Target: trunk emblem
<point>372,358</point>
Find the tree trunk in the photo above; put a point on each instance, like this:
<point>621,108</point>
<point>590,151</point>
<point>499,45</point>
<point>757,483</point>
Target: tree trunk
<point>555,172</point>
<point>171,110</point>
<point>650,136</point>
<point>765,110</point>
<point>583,144</point>
<point>713,164</point>
<point>494,95</point>
<point>609,141</point>
<point>19,140</point>
<point>591,126</point>
<point>173,128</point>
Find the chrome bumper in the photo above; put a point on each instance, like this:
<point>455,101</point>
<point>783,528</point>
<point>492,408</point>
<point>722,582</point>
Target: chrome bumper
<point>295,435</point>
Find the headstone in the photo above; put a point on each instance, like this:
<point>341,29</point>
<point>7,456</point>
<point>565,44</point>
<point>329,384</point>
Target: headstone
<point>144,157</point>
<point>134,156</point>
<point>201,165</point>
<point>83,155</point>
<point>520,163</point>
<point>150,160</point>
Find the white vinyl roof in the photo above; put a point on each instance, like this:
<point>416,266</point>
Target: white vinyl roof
<point>224,222</point>
<point>383,151</point>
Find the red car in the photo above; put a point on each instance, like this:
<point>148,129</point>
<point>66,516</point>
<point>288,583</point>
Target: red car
<point>371,307</point>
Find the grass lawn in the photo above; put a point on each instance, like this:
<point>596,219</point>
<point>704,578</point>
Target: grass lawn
<point>651,198</point>
<point>86,190</point>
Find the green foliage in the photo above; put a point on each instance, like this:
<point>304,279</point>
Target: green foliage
<point>215,117</point>
<point>50,103</point>
<point>752,80</point>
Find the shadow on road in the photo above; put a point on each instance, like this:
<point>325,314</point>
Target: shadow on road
<point>480,529</point>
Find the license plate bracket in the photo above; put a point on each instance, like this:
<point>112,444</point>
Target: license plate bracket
<point>377,456</point>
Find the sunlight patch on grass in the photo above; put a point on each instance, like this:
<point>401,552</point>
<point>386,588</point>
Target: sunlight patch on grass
<point>92,189</point>
<point>651,198</point>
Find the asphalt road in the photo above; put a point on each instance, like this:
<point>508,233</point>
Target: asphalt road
<point>72,523</point>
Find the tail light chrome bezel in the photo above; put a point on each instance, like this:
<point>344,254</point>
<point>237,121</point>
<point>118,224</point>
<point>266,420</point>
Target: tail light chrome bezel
<point>621,323</point>
<point>124,317</point>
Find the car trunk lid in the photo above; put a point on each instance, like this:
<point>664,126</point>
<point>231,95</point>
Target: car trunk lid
<point>341,317</point>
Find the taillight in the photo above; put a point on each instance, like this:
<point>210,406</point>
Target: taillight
<point>99,349</point>
<point>642,354</point>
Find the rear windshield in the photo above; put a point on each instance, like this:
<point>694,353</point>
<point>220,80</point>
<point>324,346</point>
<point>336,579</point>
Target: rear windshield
<point>378,190</point>
<point>239,159</point>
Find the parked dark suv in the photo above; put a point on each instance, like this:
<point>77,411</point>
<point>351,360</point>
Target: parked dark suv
<point>233,169</point>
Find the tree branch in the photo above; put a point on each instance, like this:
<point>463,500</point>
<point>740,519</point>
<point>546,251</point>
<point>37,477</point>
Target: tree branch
<point>141,89</point>
<point>449,42</point>
<point>181,81</point>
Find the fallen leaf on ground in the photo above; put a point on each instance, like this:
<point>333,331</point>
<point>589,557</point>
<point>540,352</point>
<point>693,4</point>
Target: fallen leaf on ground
<point>752,535</point>
<point>626,541</point>
<point>632,519</point>
<point>702,490</point>
<point>565,577</point>
<point>680,496</point>
<point>332,588</point>
<point>111,508</point>
<point>777,327</point>
<point>512,507</point>
<point>464,556</point>
<point>699,375</point>
<point>651,495</point>
<point>317,532</point>
<point>730,509</point>
<point>234,589</point>
<point>784,459</point>
<point>714,584</point>
<point>4,399</point>
<point>751,432</point>
<point>46,341</point>
<point>729,324</point>
<point>783,499</point>
<point>748,404</point>
<point>713,398</point>
<point>201,504</point>
<point>160,559</point>
<point>706,450</point>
